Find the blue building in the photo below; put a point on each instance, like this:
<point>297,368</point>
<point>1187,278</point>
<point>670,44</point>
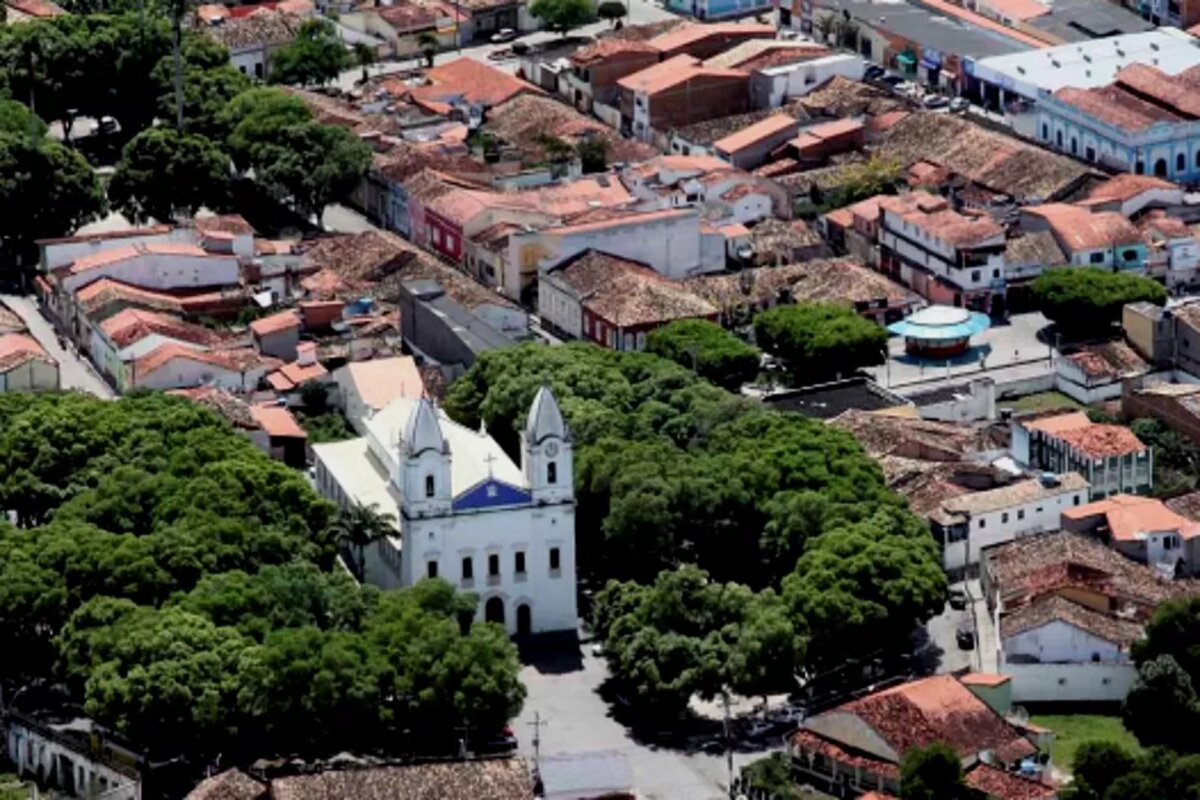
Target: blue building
<point>720,9</point>
<point>1145,121</point>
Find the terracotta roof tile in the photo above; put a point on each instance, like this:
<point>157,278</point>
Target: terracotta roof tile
<point>1129,517</point>
<point>628,294</point>
<point>232,784</point>
<point>237,411</point>
<point>1127,186</point>
<point>469,81</point>
<point>234,360</point>
<point>755,134</point>
<point>134,324</point>
<point>875,766</point>
<point>605,48</point>
<point>664,73</point>
<point>1000,785</point>
<point>224,223</point>
<point>10,321</point>
<point>1078,228</point>
<point>18,348</point>
<point>1054,608</point>
<point>102,236</point>
<point>496,779</point>
<point>276,323</point>
<point>1108,361</point>
<point>687,35</point>
<point>277,421</point>
<point>38,9</point>
<point>984,679</point>
<point>264,26</point>
<point>834,280</point>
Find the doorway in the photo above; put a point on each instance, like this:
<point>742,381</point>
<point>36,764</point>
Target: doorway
<point>524,620</point>
<point>493,611</point>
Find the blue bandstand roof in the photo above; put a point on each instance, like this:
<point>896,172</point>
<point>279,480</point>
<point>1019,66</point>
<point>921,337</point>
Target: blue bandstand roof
<point>941,323</point>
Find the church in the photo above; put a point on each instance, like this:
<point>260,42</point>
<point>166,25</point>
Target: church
<point>463,511</point>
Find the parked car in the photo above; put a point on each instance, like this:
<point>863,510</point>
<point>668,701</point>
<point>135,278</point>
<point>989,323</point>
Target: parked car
<point>958,599</point>
<point>106,126</point>
<point>891,80</point>
<point>935,101</point>
<point>875,73</point>
<point>503,742</point>
<point>959,104</point>
<point>904,88</point>
<point>503,35</point>
<point>965,638</point>
<point>758,728</point>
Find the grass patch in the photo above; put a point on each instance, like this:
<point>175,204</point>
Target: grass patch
<point>1072,730</point>
<point>1042,401</point>
<point>330,426</point>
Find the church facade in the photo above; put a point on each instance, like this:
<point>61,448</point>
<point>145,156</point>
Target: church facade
<point>464,512</point>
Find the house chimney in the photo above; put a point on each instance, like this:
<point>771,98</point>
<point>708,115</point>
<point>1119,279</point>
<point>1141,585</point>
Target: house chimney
<point>306,354</point>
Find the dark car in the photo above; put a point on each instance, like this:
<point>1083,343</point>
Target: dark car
<point>503,742</point>
<point>874,73</point>
<point>892,80</point>
<point>965,638</point>
<point>958,599</point>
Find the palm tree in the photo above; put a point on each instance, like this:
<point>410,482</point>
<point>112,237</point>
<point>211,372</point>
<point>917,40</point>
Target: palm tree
<point>359,525</point>
<point>824,25</point>
<point>429,46</point>
<point>178,8</point>
<point>365,55</point>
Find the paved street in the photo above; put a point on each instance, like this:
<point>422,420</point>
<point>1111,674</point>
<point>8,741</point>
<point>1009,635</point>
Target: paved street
<point>75,371</point>
<point>577,720</point>
<point>1012,348</point>
<point>944,626</point>
<point>640,13</point>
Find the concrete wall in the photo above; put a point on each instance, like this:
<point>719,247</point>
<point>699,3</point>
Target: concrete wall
<point>182,373</point>
<point>671,247</point>
<point>34,375</point>
<point>1004,525</point>
<point>163,271</point>
<point>1070,683</point>
<point>773,87</point>
<point>51,761</point>
<point>60,254</point>
<point>1058,642</point>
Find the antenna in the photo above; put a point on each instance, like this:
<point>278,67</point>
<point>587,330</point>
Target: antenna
<point>537,726</point>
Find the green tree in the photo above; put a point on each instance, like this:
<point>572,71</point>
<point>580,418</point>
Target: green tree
<point>592,153</point>
<point>611,10</point>
<point>429,45</point>
<point>163,171</point>
<point>820,341</point>
<point>256,118</point>
<point>359,525</point>
<point>315,57</point>
<point>562,15</point>
<point>932,773</point>
<point>715,353</point>
<point>209,82</point>
<point>364,56</point>
<point>773,775</point>
<point>1086,301</point>
<point>824,26</point>
<point>1097,766</point>
<point>1162,707</point>
<point>1173,630</point>
<point>313,165</point>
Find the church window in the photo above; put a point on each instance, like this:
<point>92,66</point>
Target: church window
<point>555,559</point>
<point>468,569</point>
<point>493,565</point>
<point>520,562</point>
<point>429,487</point>
<point>431,569</point>
<point>552,472</point>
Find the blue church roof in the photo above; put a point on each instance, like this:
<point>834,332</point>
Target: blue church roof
<point>490,493</point>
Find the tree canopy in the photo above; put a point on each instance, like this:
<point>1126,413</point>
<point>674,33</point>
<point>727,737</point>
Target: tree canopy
<point>179,583</point>
<point>315,57</point>
<point>1106,771</point>
<point>714,353</point>
<point>162,171</point>
<point>562,15</point>
<point>820,341</point>
<point>1163,706</point>
<point>933,772</point>
<point>673,471</point>
<point>1088,300</point>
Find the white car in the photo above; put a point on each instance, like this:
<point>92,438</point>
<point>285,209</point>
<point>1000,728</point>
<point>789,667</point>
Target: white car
<point>504,35</point>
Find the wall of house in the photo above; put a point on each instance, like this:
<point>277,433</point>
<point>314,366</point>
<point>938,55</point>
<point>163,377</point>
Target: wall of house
<point>670,247</point>
<point>771,88</point>
<point>701,98</point>
<point>60,254</point>
<point>1004,525</point>
<point>978,404</point>
<point>34,375</point>
<point>42,756</point>
<point>559,306</point>
<point>1070,683</point>
<point>183,373</point>
<point>445,237</point>
<point>1058,642</point>
<point>280,344</point>
<point>163,271</point>
<point>1072,381</point>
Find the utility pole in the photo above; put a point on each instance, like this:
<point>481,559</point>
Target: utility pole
<point>537,725</point>
<point>32,105</point>
<point>728,742</point>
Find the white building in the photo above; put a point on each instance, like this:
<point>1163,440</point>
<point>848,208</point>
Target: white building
<point>367,387</point>
<point>464,511</point>
<point>25,366</point>
<point>969,523</point>
<point>167,265</point>
<point>774,86</point>
<point>1060,651</point>
<point>47,754</point>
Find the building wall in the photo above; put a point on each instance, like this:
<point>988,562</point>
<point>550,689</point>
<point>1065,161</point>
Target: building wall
<point>1070,683</point>
<point>34,375</point>
<point>163,271</point>
<point>280,344</point>
<point>37,754</point>
<point>1004,525</point>
<point>701,98</point>
<point>445,237</point>
<point>60,254</point>
<point>1057,642</point>
<point>754,155</point>
<point>671,247</point>
<point>772,88</point>
<point>183,373</point>
<point>1072,381</point>
<point>559,306</point>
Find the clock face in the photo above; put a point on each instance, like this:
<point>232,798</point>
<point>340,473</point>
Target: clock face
<point>552,449</point>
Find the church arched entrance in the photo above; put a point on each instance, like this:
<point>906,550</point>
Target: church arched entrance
<point>493,611</point>
<point>524,620</point>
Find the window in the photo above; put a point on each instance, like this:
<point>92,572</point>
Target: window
<point>1045,131</point>
<point>1180,162</point>
<point>429,486</point>
<point>1091,154</point>
<point>1140,167</point>
<point>493,565</point>
<point>1096,258</point>
<point>982,523</point>
<point>1020,513</point>
<point>995,273</point>
<point>1004,518</point>
<point>552,472</point>
<point>258,70</point>
<point>1074,146</point>
<point>1058,138</point>
<point>431,569</point>
<point>974,276</point>
<point>555,560</point>
<point>1076,498</point>
<point>519,562</point>
<point>468,569</point>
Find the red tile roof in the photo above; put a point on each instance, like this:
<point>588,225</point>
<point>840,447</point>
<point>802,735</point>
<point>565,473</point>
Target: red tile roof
<point>598,51</point>
<point>620,221</point>
<point>1000,785</point>
<point>235,360</point>
<point>627,294</point>
<point>1130,516</point>
<point>1055,608</point>
<point>1080,228</point>
<point>291,376</point>
<point>687,35</point>
<point>664,73</point>
<point>875,766</point>
<point>277,421</point>
<point>98,293</point>
<point>116,254</point>
<point>235,224</point>
<point>984,679</point>
<point>1127,186</point>
<point>467,80</point>
<point>18,348</point>
<point>756,133</point>
<point>1020,10</point>
<point>125,233</point>
<point>41,9</point>
<point>937,709</point>
<point>276,323</point>
<point>133,324</point>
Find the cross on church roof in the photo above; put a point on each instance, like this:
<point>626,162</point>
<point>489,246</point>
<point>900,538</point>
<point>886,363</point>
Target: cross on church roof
<point>489,459</point>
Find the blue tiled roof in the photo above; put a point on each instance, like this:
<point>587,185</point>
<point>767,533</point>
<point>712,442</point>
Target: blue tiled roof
<point>490,493</point>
